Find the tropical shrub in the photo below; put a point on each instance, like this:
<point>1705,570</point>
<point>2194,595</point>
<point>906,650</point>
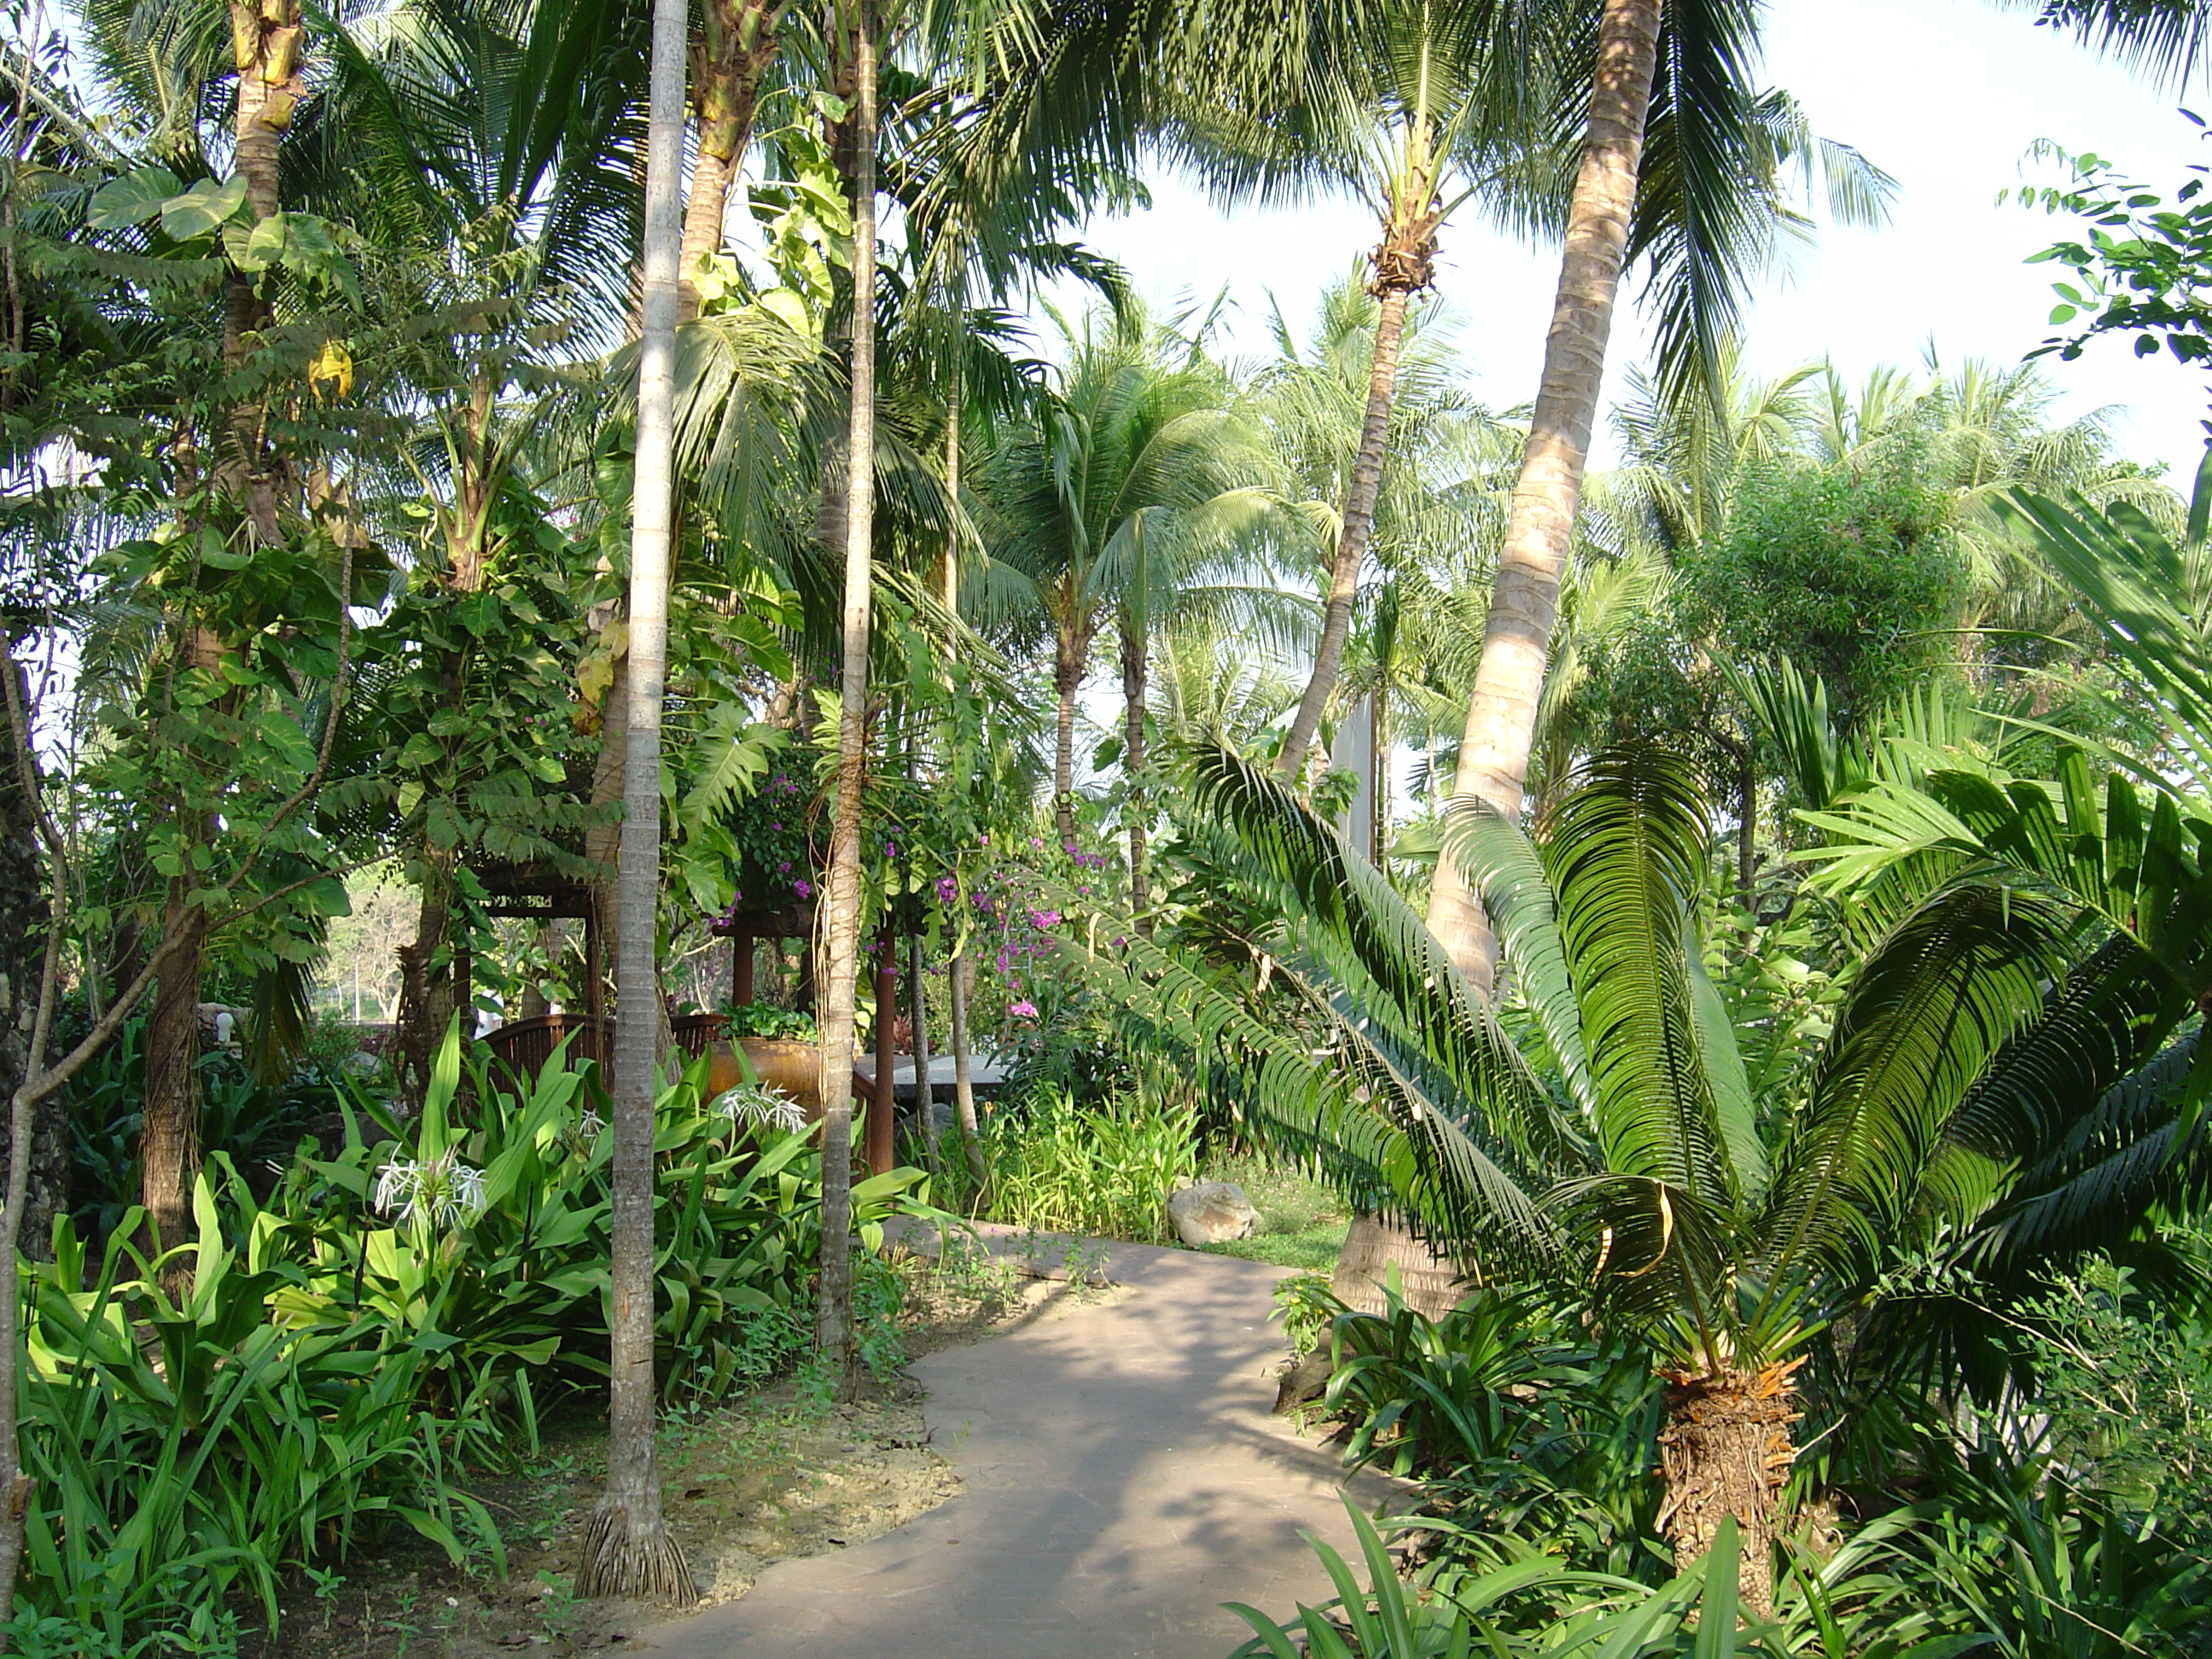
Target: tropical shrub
<point>257,1126</point>
<point>487,1244</point>
<point>1106,1171</point>
<point>183,1448</point>
<point>1514,1422</point>
<point>1999,1095</point>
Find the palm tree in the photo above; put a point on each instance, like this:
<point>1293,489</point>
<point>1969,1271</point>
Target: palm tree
<point>627,1547</point>
<point>1436,516</point>
<point>2001,1092</point>
<point>1132,465</point>
<point>841,924</point>
<point>1501,719</point>
<point>1419,110</point>
<point>739,40</point>
<point>2166,36</point>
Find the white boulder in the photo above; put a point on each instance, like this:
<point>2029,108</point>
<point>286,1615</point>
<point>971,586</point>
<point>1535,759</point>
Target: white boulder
<point>1210,1212</point>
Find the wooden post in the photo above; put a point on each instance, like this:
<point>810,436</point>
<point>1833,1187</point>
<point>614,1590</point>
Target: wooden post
<point>883,1136</point>
<point>741,969</point>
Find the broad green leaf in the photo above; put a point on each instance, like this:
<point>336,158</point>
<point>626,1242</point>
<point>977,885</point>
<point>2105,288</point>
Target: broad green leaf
<point>132,199</point>
<point>199,211</point>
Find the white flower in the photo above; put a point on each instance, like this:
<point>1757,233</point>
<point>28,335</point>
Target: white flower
<point>442,1191</point>
<point>757,1108</point>
<point>591,1126</point>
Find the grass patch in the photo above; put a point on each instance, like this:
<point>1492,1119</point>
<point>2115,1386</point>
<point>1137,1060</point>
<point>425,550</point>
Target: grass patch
<point>1301,1224</point>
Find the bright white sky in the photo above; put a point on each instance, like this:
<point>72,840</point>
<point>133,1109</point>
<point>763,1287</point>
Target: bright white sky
<point>1947,95</point>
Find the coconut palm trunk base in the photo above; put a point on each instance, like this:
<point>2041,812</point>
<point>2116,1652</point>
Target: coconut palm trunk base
<point>628,1552</point>
<point>1727,1451</point>
<point>1428,1283</point>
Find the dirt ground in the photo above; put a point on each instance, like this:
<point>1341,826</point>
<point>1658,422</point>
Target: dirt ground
<point>782,1471</point>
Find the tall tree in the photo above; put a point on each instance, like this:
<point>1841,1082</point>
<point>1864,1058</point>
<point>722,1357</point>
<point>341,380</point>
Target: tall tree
<point>1501,719</point>
<point>1130,463</point>
<point>737,44</point>
<point>627,1550</point>
<point>841,926</point>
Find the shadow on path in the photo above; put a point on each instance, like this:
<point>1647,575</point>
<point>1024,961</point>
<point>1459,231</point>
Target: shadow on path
<point>1123,1479</point>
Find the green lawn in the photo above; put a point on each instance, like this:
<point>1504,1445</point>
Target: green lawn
<point>1301,1222</point>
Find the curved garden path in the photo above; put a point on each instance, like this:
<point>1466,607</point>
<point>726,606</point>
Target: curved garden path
<point>1123,1477</point>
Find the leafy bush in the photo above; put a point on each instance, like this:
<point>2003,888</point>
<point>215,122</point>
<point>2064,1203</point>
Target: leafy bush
<point>181,1449</point>
<point>1058,1166</point>
<point>759,1019</point>
<point>257,1126</point>
<point>2038,1568</point>
<point>1514,1422</point>
<point>487,1245</point>
<point>1528,1607</point>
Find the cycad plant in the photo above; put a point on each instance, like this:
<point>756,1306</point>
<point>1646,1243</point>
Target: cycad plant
<point>1996,1097</point>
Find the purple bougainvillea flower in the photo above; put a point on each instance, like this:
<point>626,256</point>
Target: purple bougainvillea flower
<point>1045,918</point>
<point>1023,1010</point>
<point>804,890</point>
<point>784,868</point>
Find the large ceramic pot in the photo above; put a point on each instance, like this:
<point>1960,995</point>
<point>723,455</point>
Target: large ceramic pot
<point>789,1069</point>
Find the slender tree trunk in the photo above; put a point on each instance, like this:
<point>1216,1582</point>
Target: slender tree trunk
<point>1727,1450</point>
<point>955,969</point>
<point>24,919</point>
<point>268,43</point>
<point>1378,775</point>
<point>964,1085</point>
<point>1359,526</point>
<point>1134,809</point>
<point>917,1001</point>
<point>427,1003</point>
<point>841,910</point>
<point>738,43</point>
<point>169,1141</point>
<point>1501,716</point>
<point>1066,679</point>
<point>627,1547</point>
<point>1747,818</point>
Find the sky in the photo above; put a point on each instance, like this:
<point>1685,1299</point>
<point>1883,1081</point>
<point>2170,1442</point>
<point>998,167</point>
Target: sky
<point>1947,96</point>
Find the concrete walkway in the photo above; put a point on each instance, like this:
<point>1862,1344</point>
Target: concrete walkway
<point>1124,1477</point>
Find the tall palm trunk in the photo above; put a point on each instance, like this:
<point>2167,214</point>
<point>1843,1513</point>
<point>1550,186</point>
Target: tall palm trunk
<point>1501,716</point>
<point>1134,655</point>
<point>1067,680</point>
<point>627,1547</point>
<point>169,1139</point>
<point>955,969</point>
<point>267,41</point>
<point>841,910</point>
<point>737,44</point>
<point>1404,263</point>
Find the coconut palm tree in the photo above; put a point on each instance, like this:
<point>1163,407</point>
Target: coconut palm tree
<point>1436,512</point>
<point>1634,36</point>
<point>1134,463</point>
<point>627,1548</point>
<point>2001,1090</point>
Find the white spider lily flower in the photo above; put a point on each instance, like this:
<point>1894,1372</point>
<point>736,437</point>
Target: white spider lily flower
<point>441,1191</point>
<point>756,1108</point>
<point>591,1126</point>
